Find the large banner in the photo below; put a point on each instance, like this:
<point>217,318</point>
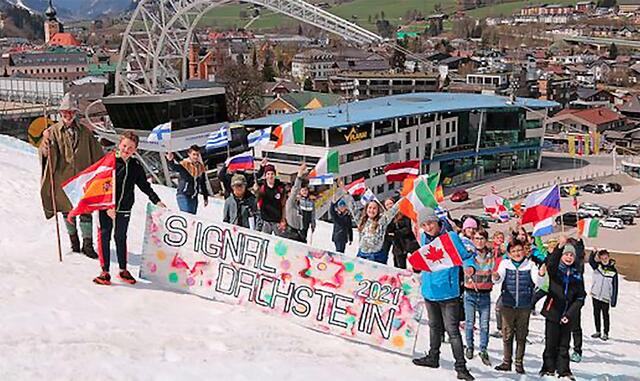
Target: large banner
<point>329,292</point>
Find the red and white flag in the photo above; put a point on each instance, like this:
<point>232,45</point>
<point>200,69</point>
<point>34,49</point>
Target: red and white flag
<point>442,253</point>
<point>401,171</point>
<point>356,188</point>
<point>93,188</point>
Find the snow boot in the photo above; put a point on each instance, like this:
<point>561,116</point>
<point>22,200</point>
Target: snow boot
<point>605,337</point>
<point>428,361</point>
<point>463,374</point>
<point>75,243</point>
<point>576,357</point>
<point>468,353</point>
<point>566,376</point>
<point>484,356</point>
<point>104,279</point>
<point>126,277</point>
<point>596,335</point>
<point>87,248</point>
<point>520,368</point>
<point>504,367</point>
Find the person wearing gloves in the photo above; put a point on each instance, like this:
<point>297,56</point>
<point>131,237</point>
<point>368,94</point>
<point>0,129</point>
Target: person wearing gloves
<point>342,225</point>
<point>564,299</point>
<point>192,181</point>
<point>517,276</point>
<point>441,291</point>
<point>240,207</point>
<point>604,289</point>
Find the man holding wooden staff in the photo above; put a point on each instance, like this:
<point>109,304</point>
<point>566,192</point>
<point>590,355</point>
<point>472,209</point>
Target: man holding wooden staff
<point>66,149</point>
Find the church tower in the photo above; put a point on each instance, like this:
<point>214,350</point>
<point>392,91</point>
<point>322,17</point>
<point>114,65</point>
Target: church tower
<point>51,25</point>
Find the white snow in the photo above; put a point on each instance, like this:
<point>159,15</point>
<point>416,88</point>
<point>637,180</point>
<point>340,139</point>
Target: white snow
<point>21,4</point>
<point>55,324</point>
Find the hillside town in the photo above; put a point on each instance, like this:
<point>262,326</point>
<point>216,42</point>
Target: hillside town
<point>380,173</point>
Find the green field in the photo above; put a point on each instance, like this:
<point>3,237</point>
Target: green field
<point>358,11</point>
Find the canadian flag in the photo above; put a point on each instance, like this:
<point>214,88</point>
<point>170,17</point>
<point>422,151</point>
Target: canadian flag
<point>356,188</point>
<point>442,253</point>
<point>401,171</point>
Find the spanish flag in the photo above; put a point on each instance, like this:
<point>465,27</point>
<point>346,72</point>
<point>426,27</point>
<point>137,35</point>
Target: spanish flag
<point>93,188</point>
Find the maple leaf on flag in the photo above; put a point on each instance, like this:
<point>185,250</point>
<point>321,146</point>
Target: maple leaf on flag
<point>435,254</point>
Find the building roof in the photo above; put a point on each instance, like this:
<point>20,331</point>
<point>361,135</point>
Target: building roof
<point>101,69</point>
<point>631,106</point>
<point>48,58</point>
<point>63,39</point>
<point>310,99</point>
<point>597,116</point>
<point>398,106</point>
<point>586,93</point>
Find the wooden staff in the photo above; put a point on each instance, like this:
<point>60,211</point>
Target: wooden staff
<point>51,185</point>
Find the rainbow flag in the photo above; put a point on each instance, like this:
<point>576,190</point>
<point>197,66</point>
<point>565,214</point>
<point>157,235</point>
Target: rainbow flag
<point>93,188</point>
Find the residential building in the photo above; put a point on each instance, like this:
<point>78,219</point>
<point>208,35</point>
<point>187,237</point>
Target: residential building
<point>585,6</point>
<point>465,136</point>
<point>491,81</point>
<point>313,63</point>
<point>365,85</point>
<point>556,88</point>
<point>589,98</point>
<point>586,120</point>
<point>631,108</point>
<point>628,6</point>
<point>59,63</point>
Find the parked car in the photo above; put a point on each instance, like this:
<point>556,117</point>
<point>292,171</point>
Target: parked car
<point>627,218</point>
<point>612,223</point>
<point>615,187</point>
<point>570,218</point>
<point>481,221</point>
<point>591,211</point>
<point>592,188</point>
<point>605,188</point>
<point>460,195</point>
<point>565,190</point>
<point>630,210</point>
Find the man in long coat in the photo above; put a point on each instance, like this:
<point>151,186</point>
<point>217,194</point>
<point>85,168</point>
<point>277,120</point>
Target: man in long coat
<point>69,148</point>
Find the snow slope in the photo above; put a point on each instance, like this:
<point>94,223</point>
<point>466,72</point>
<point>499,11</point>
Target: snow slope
<point>55,324</point>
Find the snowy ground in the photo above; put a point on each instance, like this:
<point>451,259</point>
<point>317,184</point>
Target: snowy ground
<point>56,324</point>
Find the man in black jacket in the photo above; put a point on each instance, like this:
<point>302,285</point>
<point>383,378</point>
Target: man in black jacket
<point>342,225</point>
<point>564,301</point>
<point>225,177</point>
<point>129,172</point>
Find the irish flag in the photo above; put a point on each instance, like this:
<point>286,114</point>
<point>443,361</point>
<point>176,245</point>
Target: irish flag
<point>290,132</point>
<point>432,179</point>
<point>588,227</point>
<point>93,188</point>
<point>420,198</point>
<point>329,163</point>
<point>442,253</point>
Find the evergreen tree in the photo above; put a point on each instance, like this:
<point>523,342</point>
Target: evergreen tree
<point>613,51</point>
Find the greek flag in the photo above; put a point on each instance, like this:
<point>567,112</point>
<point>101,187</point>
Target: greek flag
<point>218,139</point>
<point>259,137</point>
<point>160,133</point>
<point>441,212</point>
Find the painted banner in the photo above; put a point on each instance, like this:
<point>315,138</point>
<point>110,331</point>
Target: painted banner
<point>329,292</point>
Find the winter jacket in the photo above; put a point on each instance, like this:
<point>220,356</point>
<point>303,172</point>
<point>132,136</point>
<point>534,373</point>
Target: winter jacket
<point>517,282</point>
<point>481,280</point>
<point>604,285</point>
<point>293,212</point>
<point>242,212</point>
<point>128,174</point>
<point>443,285</point>
<point>225,178</point>
<point>371,240</point>
<point>308,210</point>
<point>566,292</point>
<point>188,184</point>
<point>72,149</point>
<point>342,225</point>
<point>271,201</point>
<point>404,241</point>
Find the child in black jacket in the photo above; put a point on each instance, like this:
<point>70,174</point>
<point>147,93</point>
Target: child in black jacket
<point>564,300</point>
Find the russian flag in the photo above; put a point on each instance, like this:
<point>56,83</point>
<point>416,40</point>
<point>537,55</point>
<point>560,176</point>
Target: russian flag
<point>243,161</point>
<point>541,205</point>
<point>543,227</point>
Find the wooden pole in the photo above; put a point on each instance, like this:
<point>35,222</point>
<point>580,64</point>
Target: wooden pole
<point>53,196</point>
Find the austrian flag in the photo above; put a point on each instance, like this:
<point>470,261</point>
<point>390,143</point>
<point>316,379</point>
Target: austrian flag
<point>442,253</point>
<point>401,171</point>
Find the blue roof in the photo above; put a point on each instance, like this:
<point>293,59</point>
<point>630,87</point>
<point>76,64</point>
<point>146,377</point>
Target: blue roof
<point>398,106</point>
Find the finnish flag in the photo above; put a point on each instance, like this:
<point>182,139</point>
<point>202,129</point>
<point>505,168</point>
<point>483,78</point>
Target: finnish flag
<point>259,137</point>
<point>218,139</point>
<point>160,133</point>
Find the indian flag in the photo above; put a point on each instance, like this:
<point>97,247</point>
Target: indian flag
<point>290,132</point>
<point>588,227</point>
<point>420,198</point>
<point>329,163</point>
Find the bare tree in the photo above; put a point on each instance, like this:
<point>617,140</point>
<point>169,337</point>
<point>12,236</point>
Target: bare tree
<point>243,86</point>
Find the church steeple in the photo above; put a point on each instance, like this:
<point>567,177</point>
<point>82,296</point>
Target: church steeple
<point>51,24</point>
<point>50,12</point>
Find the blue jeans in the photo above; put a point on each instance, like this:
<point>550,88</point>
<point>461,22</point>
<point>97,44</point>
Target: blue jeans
<point>187,204</point>
<point>378,256</point>
<point>477,302</point>
<point>341,245</point>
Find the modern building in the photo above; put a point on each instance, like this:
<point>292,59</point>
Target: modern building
<point>372,84</point>
<point>465,136</point>
<point>628,6</point>
<point>58,63</point>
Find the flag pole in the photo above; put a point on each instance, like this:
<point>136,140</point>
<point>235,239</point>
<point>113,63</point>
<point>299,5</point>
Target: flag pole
<point>51,185</point>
